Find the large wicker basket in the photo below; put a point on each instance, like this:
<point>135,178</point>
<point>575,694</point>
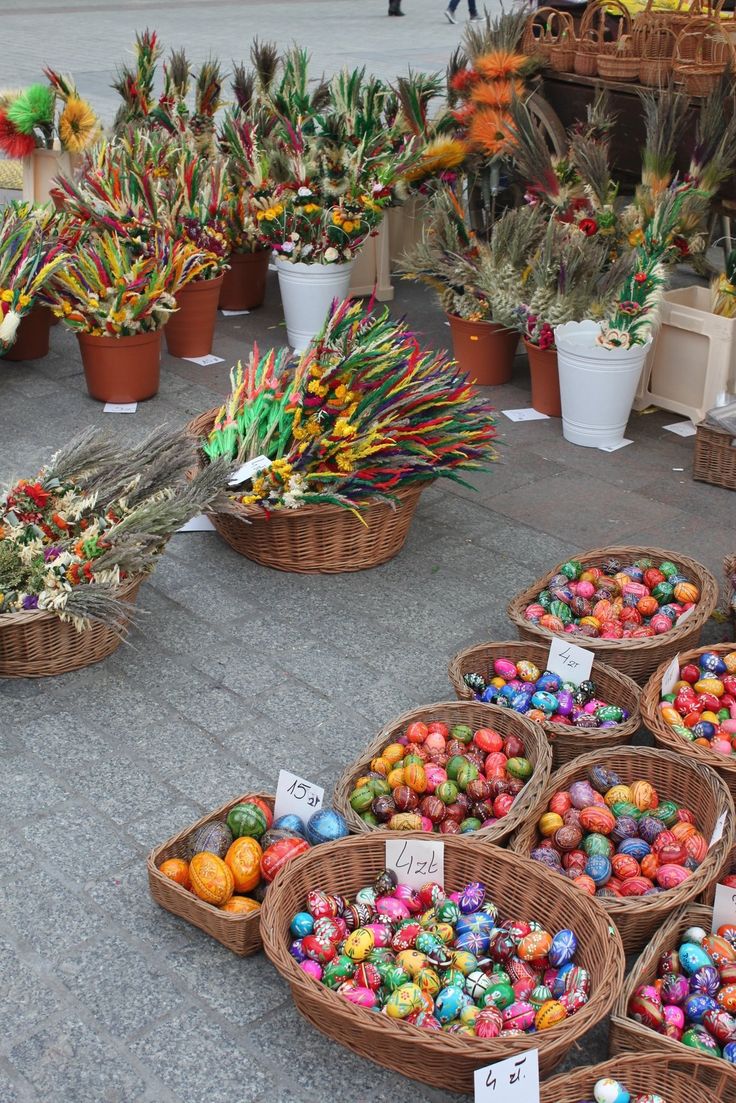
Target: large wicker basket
<point>476,715</point>
<point>687,1079</point>
<point>628,1036</point>
<point>636,657</point>
<point>239,933</point>
<point>663,734</point>
<point>566,741</point>
<point>519,888</point>
<point>35,644</point>
<point>316,539</point>
<point>676,779</point>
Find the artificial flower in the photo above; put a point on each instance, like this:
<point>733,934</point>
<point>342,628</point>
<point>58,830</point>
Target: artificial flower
<point>78,125</point>
<point>12,141</point>
<point>33,108</point>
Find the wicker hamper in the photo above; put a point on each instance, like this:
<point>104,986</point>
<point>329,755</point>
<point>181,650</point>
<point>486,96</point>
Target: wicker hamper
<point>688,783</point>
<point>714,458</point>
<point>566,741</point>
<point>239,933</point>
<point>435,1057</point>
<point>687,1079</point>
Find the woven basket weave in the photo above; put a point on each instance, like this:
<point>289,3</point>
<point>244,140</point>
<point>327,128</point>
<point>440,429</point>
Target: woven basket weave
<point>566,741</point>
<point>663,734</point>
<point>517,886</point>
<point>697,787</point>
<point>596,36</point>
<point>636,657</point>
<point>316,539</point>
<point>714,458</point>
<point>628,1036</point>
<point>476,715</point>
<point>687,1079</point>
<point>546,28</point>
<point>239,933</point>
<point>35,644</point>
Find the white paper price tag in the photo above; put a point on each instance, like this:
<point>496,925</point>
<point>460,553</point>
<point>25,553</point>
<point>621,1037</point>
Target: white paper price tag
<point>515,1080</point>
<point>614,447</point>
<point>198,524</point>
<point>295,796</point>
<point>233,313</point>
<point>671,677</point>
<point>688,613</point>
<point>120,407</point>
<point>719,828</point>
<point>573,664</point>
<point>248,469</point>
<point>415,861</point>
<point>205,361</point>
<point>526,414</point>
<point>681,428</point>
<point>724,907</point>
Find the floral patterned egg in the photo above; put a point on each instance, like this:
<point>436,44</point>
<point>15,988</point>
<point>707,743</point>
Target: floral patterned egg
<point>719,949</point>
<point>403,1001</point>
<point>645,1007</point>
<point>535,945</point>
<point>449,1004</point>
<point>359,944</point>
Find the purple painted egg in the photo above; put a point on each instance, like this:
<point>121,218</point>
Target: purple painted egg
<point>706,980</point>
<point>626,827</point>
<point>674,988</point>
<point>649,828</point>
<point>602,779</point>
<point>674,1018</point>
<point>581,794</point>
<point>472,897</point>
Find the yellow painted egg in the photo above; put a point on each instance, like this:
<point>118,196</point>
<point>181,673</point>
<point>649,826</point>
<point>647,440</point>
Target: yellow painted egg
<point>710,685</point>
<point>411,960</point>
<point>618,794</point>
<point>359,944</point>
<point>686,592</point>
<point>403,1001</point>
<point>550,1013</point>
<point>549,823</point>
<point>643,795</point>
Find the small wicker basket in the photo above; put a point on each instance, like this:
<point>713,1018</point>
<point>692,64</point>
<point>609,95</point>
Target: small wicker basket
<point>619,60</point>
<point>518,886</point>
<point>702,53</point>
<point>547,28</point>
<point>476,715</point>
<point>636,657</point>
<point>628,1036</point>
<point>239,933</point>
<point>35,644</point>
<point>687,1079</point>
<point>566,741</point>
<point>714,458</point>
<point>597,33</point>
<point>663,734</point>
<point>676,779</point>
<point>316,539</point>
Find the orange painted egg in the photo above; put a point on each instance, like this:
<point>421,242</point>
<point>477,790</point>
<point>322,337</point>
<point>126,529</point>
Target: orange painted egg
<point>686,592</point>
<point>587,884</point>
<point>415,777</point>
<point>244,860</point>
<point>649,866</point>
<point>644,795</point>
<point>625,866</point>
<point>727,997</point>
<point>552,624</point>
<point>240,905</point>
<point>730,662</point>
<point>212,881</point>
<point>176,869</point>
<point>534,945</point>
<point>380,766</point>
<point>696,846</point>
<point>394,753</point>
<point>597,819</point>
<point>396,777</point>
<point>721,951</point>
<point>602,610</point>
<point>550,1014</point>
<point>647,606</point>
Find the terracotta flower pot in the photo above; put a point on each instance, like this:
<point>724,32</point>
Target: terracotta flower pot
<point>484,350</point>
<point>545,379</point>
<point>189,331</point>
<point>121,369</point>
<point>32,336</point>
<point>244,283</point>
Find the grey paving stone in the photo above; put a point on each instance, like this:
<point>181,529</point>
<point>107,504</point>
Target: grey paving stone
<point>238,988</point>
<point>165,820</point>
<point>124,899</point>
<point>29,993</point>
<point>63,921</point>
<point>96,846</point>
<point>21,782</point>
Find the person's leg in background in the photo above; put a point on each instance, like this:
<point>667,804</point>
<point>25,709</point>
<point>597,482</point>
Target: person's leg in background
<point>450,11</point>
<point>394,7</point>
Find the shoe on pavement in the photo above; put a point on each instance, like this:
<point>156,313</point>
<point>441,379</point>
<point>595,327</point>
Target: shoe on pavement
<point>449,16</point>
<point>476,19</point>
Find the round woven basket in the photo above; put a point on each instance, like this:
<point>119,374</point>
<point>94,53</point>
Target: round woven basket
<point>689,784</point>
<point>679,1080</point>
<point>636,657</point>
<point>316,539</point>
<point>518,887</point>
<point>35,644</point>
<point>566,741</point>
<point>476,715</point>
<point>546,28</point>
<point>597,33</point>
<point>239,933</point>
<point>663,734</point>
<point>628,1036</point>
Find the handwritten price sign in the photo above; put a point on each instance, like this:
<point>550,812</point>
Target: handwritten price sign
<point>515,1080</point>
<point>295,796</point>
<point>415,861</point>
<point>573,664</point>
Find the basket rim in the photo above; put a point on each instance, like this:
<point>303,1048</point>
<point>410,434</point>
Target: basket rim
<point>703,610</point>
<point>530,732</point>
<point>646,1060</point>
<point>384,1028</point>
<point>663,733</point>
<point>708,870</point>
<point>27,618</point>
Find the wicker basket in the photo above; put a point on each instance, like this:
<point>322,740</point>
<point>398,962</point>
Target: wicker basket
<point>618,66</point>
<point>714,459</point>
<point>566,741</point>
<point>596,35</point>
<point>316,539</point>
<point>628,1036</point>
<point>686,1079</point>
<point>561,56</point>
<point>438,1058</point>
<point>476,715</point>
<point>663,734</point>
<point>708,897</point>
<point>685,782</point>
<point>35,644</point>
<point>547,28</point>
<point>702,53</point>
<point>636,657</point>
<point>239,933</point>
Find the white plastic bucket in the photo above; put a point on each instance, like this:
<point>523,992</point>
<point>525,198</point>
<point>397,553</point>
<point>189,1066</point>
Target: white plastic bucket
<point>597,385</point>
<point>307,291</point>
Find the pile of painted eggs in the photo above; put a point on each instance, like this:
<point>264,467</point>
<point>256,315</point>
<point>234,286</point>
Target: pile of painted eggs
<point>613,839</point>
<point>231,862</point>
<point>693,999</point>
<point>608,1090</point>
<point>702,708</point>
<point>615,601</point>
<point>437,778</point>
<point>521,686</point>
<point>442,961</point>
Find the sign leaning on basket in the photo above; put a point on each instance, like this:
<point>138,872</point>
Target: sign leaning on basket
<point>415,862</point>
<point>515,1080</point>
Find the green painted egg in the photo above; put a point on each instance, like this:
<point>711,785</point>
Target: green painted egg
<point>447,791</point>
<point>626,808</point>
<point>668,568</point>
<point>361,799</point>
<point>666,812</point>
<point>337,971</point>
<point>572,569</point>
<point>562,611</point>
<point>462,732</point>
<point>595,843</point>
<point>663,592</point>
<point>454,765</point>
<point>500,995</point>
<point>519,768</point>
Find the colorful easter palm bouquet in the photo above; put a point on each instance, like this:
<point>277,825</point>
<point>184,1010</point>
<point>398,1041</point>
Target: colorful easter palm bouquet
<point>41,114</point>
<point>97,515</point>
<point>29,257</point>
<point>366,413</point>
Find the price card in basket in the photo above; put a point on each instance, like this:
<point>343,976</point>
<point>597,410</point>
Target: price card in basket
<point>671,677</point>
<point>416,861</point>
<point>572,663</point>
<point>515,1080</point>
<point>295,796</point>
<point>724,907</point>
<point>248,469</point>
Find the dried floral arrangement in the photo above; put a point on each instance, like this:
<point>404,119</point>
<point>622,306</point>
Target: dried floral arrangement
<point>30,254</point>
<point>99,513</point>
<point>42,113</point>
<point>365,412</point>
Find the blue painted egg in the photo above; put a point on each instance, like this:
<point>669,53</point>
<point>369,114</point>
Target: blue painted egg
<point>712,664</point>
<point>547,702</point>
<point>562,950</point>
<point>520,702</point>
<point>729,1052</point>
<point>598,867</point>
<point>449,1003</point>
<point>291,822</point>
<point>302,924</point>
<point>693,957</point>
<point>696,1006</point>
<point>549,682</point>
<point>703,730</point>
<point>489,695</point>
<point>637,848</point>
<point>558,985</point>
<point>325,825</point>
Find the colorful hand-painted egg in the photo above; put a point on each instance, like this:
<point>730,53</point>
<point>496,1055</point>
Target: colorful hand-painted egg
<point>359,944</point>
<point>608,1090</point>
<point>562,948</point>
<point>403,1001</point>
